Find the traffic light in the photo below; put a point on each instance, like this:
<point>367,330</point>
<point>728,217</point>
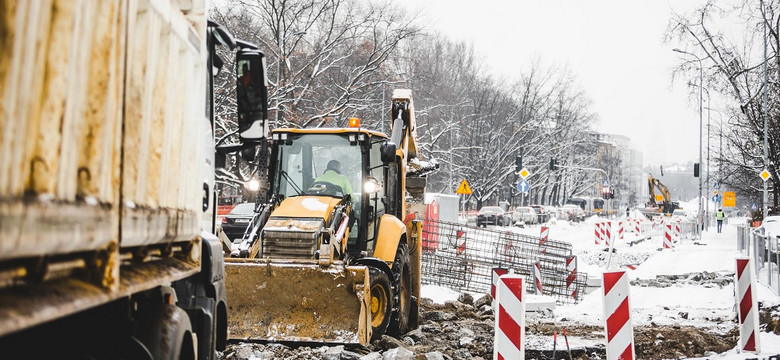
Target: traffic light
<point>553,164</point>
<point>605,192</point>
<point>696,170</point>
<point>518,162</point>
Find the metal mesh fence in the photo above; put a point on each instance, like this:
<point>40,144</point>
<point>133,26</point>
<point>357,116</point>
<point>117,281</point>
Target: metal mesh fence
<point>461,257</point>
<point>765,251</point>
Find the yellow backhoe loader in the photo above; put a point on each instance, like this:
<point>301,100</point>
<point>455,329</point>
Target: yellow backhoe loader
<point>334,254</point>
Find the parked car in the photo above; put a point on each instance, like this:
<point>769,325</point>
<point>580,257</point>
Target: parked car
<point>235,222</point>
<point>574,212</point>
<point>771,225</point>
<point>492,215</point>
<point>551,211</point>
<point>525,214</point>
<point>561,213</point>
<point>541,213</point>
<point>680,214</point>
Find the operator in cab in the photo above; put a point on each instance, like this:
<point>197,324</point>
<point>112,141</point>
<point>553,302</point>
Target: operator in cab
<point>332,175</point>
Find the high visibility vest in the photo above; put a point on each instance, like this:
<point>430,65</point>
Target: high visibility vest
<point>720,215</point>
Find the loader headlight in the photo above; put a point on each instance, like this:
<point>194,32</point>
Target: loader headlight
<point>371,186</point>
<point>253,185</point>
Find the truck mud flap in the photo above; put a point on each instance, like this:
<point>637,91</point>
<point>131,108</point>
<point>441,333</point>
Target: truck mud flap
<point>297,300</point>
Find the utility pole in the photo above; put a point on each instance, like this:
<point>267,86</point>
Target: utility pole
<point>700,220</point>
<point>766,128</point>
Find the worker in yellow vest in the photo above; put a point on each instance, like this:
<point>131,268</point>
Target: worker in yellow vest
<point>719,216</point>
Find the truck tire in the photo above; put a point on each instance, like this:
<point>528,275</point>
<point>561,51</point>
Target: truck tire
<point>402,292</point>
<point>380,303</point>
<point>167,333</point>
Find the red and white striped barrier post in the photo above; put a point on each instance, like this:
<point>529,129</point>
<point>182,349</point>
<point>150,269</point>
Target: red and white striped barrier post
<point>747,306</point>
<point>617,312</point>
<point>677,230</point>
<point>538,278</point>
<point>638,227</point>
<point>598,233</point>
<point>604,236</point>
<point>667,236</point>
<point>509,331</point>
<point>571,268</point>
<point>621,225</point>
<point>462,247</point>
<point>609,234</point>
<point>495,274</point>
<point>543,236</point>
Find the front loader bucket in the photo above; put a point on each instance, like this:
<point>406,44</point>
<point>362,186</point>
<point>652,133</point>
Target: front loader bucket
<point>297,300</point>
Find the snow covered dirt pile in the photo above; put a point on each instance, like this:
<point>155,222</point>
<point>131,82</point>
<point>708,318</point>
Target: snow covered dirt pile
<point>463,329</point>
<point>682,306</point>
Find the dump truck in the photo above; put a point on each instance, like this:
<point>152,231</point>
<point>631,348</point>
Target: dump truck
<point>333,255</point>
<point>107,181</point>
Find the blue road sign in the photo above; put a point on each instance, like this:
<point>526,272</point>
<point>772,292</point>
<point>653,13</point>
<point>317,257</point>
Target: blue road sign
<point>523,186</point>
<point>715,198</point>
<point>753,207</point>
<point>605,183</point>
<point>715,185</point>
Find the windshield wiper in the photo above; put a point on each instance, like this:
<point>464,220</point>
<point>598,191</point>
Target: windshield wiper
<point>292,183</point>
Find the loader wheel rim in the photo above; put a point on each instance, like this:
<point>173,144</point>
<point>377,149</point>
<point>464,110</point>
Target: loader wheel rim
<point>378,305</point>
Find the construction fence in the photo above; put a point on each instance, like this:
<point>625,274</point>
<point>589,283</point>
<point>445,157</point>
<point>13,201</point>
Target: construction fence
<point>765,250</point>
<point>462,257</point>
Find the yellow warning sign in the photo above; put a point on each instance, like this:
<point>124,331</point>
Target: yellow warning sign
<point>729,199</point>
<point>464,188</point>
<point>659,198</point>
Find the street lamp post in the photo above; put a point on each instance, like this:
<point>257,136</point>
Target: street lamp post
<point>701,123</point>
<point>720,153</point>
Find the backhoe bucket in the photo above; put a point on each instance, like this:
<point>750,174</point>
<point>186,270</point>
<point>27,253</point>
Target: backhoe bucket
<point>297,300</point>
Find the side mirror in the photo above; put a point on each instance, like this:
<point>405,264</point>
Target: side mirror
<point>252,93</point>
<point>387,152</point>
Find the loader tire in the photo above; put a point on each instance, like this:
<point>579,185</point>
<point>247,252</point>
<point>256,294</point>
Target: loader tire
<point>381,302</point>
<point>402,292</point>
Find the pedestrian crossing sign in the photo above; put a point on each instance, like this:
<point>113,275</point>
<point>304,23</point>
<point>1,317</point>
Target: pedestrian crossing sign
<point>464,188</point>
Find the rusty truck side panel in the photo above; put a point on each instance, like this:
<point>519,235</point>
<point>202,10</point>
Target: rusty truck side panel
<point>101,108</point>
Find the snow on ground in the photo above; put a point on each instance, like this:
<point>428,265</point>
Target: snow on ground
<point>439,294</point>
<point>681,301</point>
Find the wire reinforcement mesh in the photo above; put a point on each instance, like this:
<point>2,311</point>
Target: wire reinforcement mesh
<point>461,257</point>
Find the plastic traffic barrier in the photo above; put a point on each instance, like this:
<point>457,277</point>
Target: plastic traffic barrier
<point>571,268</point>
<point>538,278</point>
<point>617,312</point>
<point>667,236</point>
<point>747,306</point>
<point>509,331</point>
<point>543,236</point>
<point>495,274</point>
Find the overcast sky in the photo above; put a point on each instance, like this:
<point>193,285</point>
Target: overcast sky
<point>614,48</point>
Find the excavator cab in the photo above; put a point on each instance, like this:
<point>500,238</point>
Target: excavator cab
<point>328,257</point>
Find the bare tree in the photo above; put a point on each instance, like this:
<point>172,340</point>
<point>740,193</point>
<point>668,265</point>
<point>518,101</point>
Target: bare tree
<point>735,69</point>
